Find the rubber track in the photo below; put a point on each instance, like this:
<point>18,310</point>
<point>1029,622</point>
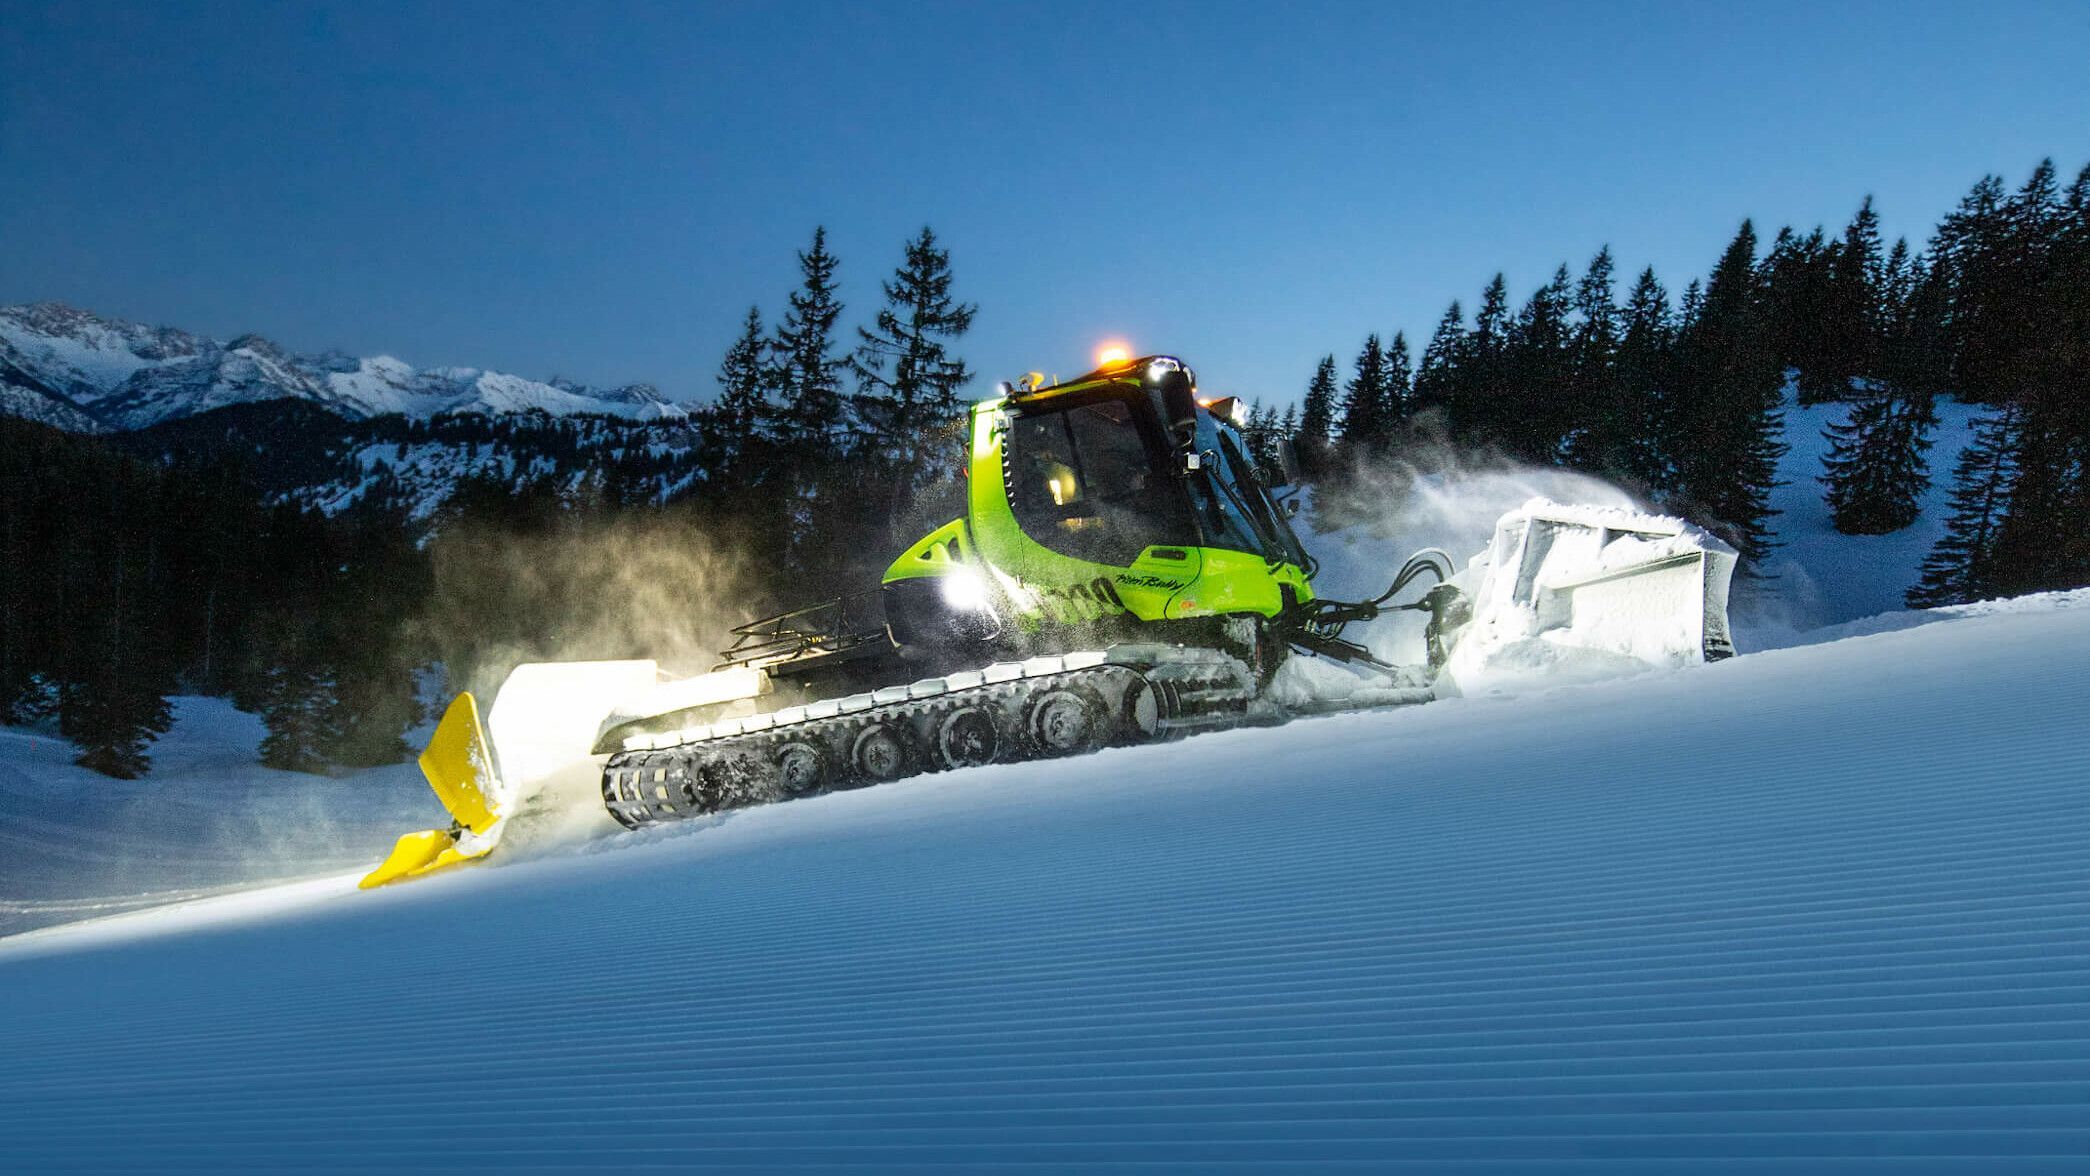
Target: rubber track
<point>1122,695</point>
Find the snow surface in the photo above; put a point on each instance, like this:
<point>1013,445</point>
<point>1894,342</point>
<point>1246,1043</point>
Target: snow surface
<point>206,820</point>
<point>1814,909</point>
<point>1820,577</point>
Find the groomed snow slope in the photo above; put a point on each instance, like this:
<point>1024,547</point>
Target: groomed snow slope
<point>1821,908</point>
<point>206,820</point>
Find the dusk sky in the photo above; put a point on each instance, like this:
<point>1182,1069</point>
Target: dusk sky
<point>599,191</point>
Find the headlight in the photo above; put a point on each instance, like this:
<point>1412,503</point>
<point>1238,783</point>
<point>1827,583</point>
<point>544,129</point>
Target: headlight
<point>965,591</point>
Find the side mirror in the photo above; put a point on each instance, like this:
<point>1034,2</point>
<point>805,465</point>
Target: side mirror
<point>1179,401</point>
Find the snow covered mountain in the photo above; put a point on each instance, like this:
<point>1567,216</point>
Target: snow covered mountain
<point>81,371</point>
<point>1817,909</point>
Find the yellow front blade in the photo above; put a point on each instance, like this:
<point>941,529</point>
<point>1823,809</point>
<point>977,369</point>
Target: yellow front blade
<point>422,853</point>
<point>414,852</point>
<point>459,766</point>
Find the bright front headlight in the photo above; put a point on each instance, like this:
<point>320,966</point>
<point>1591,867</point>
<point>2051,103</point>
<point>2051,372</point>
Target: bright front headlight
<point>965,591</point>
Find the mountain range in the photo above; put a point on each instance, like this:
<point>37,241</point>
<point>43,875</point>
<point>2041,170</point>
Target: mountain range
<point>85,372</point>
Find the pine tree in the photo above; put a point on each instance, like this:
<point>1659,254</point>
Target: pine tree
<point>1482,407</point>
<point>113,722</point>
<point>1852,324</point>
<point>1316,431</point>
<point>1365,428</point>
<point>1961,567</point>
<point>1400,384</point>
<point>745,379</point>
<point>1537,380</point>
<point>1641,380</point>
<point>825,529</point>
<point>1727,402</point>
<point>299,706</point>
<point>810,416</point>
<point>2043,366</point>
<point>907,378</point>
<point>1437,376</point>
<point>1601,426</point>
<point>1796,280</point>
<point>1874,467</point>
<point>1968,252</point>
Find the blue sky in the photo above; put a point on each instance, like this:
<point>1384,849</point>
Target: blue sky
<point>599,191</point>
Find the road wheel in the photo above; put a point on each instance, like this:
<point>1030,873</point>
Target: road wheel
<point>1064,720</point>
<point>968,737</point>
<point>801,768</point>
<point>881,753</point>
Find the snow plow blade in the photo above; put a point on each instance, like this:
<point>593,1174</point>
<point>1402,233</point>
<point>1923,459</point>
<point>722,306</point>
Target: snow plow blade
<point>459,767</point>
<point>1596,587</point>
<point>543,725</point>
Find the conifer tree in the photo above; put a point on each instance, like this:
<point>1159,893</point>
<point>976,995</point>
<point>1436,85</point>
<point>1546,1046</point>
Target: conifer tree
<point>1646,453</point>
<point>1797,282</point>
<point>1482,407</point>
<point>2042,363</point>
<point>1968,251</point>
<point>1316,429</point>
<point>745,378</point>
<point>1874,467</point>
<point>1600,425</point>
<point>1852,325</point>
<point>1961,567</point>
<point>811,432</point>
<point>1727,402</point>
<point>1437,375</point>
<point>810,416</point>
<point>113,722</point>
<point>298,705</point>
<point>1537,381</point>
<point>1365,427</point>
<point>1400,383</point>
<point>907,378</point>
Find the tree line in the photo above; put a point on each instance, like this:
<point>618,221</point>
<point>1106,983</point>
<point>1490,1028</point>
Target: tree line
<point>195,557</point>
<point>1682,400</point>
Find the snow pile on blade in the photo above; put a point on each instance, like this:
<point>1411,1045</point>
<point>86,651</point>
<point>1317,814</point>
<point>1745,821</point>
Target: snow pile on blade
<point>1583,591</point>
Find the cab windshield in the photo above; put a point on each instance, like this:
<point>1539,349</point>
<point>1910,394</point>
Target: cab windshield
<point>1090,482</point>
<point>1233,506</point>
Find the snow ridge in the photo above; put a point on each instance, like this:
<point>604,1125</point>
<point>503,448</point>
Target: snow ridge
<point>79,370</point>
